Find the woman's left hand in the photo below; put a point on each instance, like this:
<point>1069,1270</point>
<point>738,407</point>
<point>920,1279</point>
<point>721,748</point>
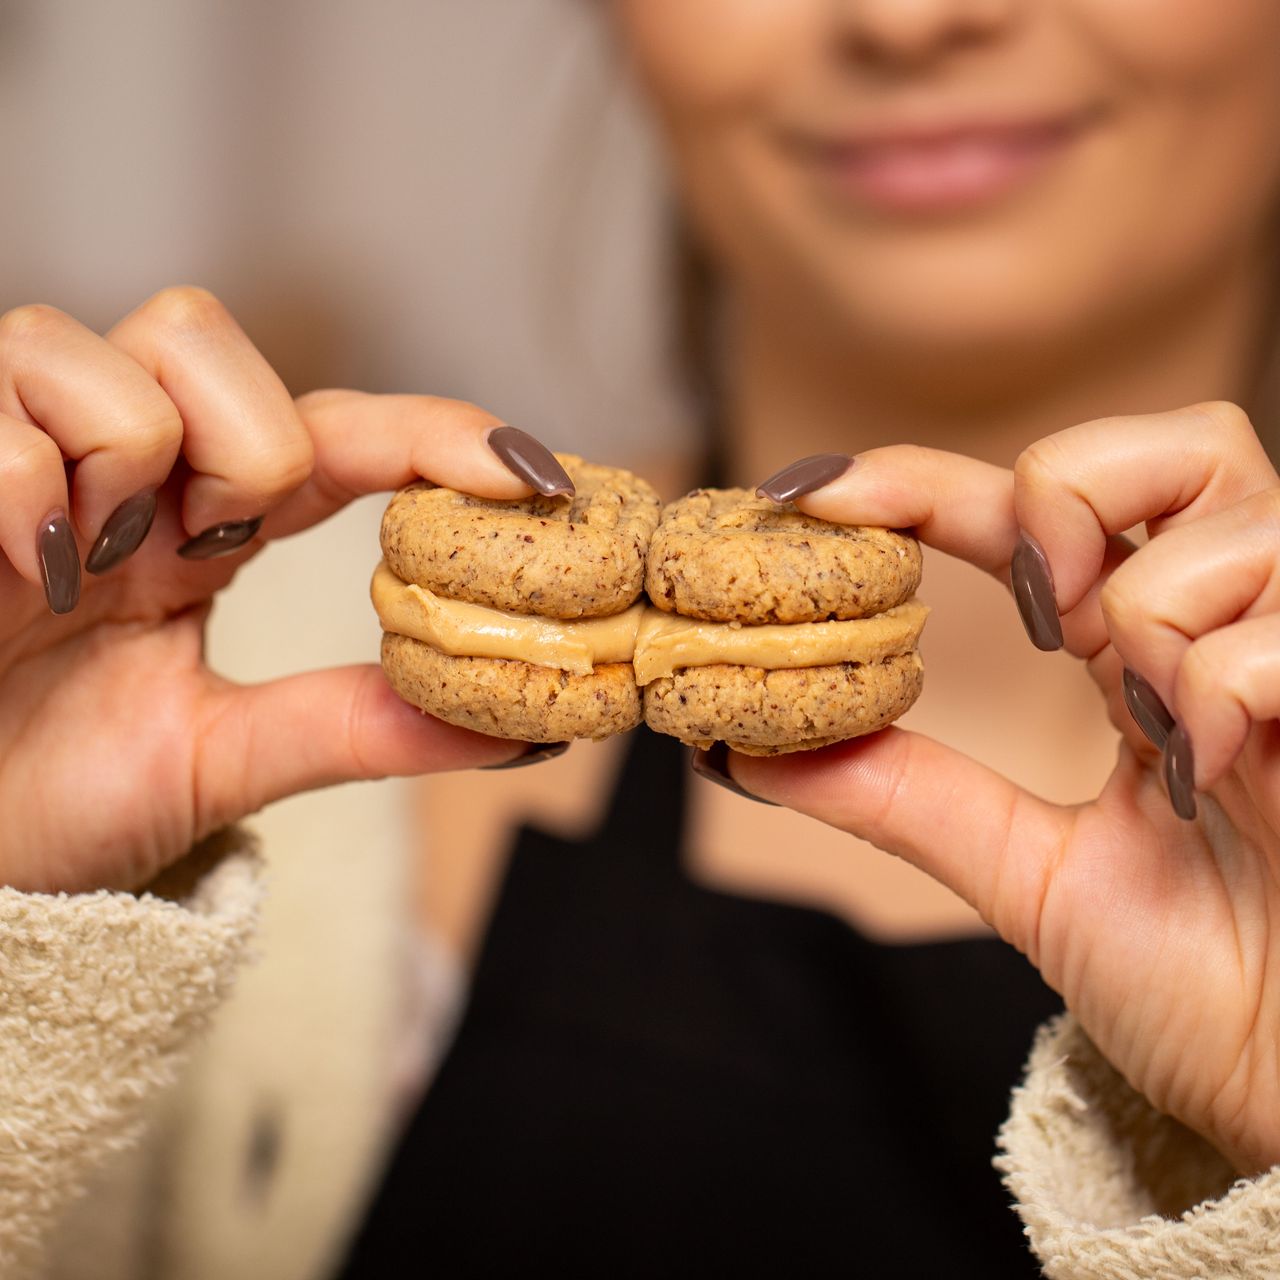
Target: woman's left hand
<point>1157,929</point>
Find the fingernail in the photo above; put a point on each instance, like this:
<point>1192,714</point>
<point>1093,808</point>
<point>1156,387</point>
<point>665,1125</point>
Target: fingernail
<point>713,764</point>
<point>59,562</point>
<point>1147,709</point>
<point>531,460</point>
<point>123,532</point>
<point>535,755</point>
<point>1032,583</point>
<point>220,539</point>
<point>1180,773</point>
<point>804,476</point>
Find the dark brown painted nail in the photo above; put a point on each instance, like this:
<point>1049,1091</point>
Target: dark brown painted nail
<point>1147,709</point>
<point>1032,583</point>
<point>220,539</point>
<point>805,476</point>
<point>59,562</point>
<point>713,764</point>
<point>123,532</point>
<point>1180,773</point>
<point>536,754</point>
<point>531,460</point>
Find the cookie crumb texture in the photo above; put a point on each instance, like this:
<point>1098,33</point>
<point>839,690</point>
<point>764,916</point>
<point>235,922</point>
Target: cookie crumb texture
<point>724,555</point>
<point>510,699</point>
<point>579,557</point>
<point>769,713</point>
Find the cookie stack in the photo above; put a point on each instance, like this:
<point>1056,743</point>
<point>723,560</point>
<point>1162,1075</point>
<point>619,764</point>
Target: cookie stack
<point>518,619</point>
<point>767,629</point>
<point>774,631</point>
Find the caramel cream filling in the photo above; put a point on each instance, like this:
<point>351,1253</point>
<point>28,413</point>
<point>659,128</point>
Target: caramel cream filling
<point>667,642</point>
<point>654,642</point>
<point>475,631</point>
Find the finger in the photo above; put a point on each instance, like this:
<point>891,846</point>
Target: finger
<point>371,443</point>
<point>1075,489</point>
<point>241,434</point>
<point>33,495</point>
<point>956,504</point>
<point>1189,582</point>
<point>99,406</point>
<point>985,838</point>
<point>263,742</point>
<point>1228,681</point>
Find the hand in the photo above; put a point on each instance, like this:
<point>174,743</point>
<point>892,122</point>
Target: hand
<point>1157,930</point>
<point>119,748</point>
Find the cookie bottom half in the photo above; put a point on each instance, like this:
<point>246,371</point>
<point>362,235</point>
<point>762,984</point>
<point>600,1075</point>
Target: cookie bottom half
<point>767,713</point>
<point>510,699</point>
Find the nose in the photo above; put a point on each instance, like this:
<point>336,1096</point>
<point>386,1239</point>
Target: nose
<point>915,31</point>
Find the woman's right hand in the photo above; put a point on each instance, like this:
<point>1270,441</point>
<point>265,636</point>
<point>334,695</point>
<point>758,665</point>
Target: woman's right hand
<point>119,748</point>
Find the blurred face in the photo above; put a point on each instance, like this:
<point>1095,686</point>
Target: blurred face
<point>935,174</point>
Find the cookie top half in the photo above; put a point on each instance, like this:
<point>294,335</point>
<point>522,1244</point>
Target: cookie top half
<point>725,555</point>
<point>579,557</point>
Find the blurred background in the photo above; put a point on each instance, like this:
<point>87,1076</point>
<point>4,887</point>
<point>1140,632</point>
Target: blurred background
<point>455,197</point>
<point>449,196</point>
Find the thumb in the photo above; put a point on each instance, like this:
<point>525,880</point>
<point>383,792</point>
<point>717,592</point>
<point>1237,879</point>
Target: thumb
<point>985,838</point>
<point>263,742</point>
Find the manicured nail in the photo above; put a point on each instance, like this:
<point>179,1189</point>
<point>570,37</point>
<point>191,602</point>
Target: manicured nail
<point>531,460</point>
<point>713,764</point>
<point>59,562</point>
<point>1032,583</point>
<point>123,532</point>
<point>1180,773</point>
<point>220,539</point>
<point>1147,709</point>
<point>804,476</point>
<point>535,755</point>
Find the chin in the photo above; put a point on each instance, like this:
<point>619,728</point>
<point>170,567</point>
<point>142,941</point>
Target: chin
<point>966,308</point>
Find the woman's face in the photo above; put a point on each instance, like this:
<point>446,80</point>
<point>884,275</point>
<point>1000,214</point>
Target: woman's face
<point>958,173</point>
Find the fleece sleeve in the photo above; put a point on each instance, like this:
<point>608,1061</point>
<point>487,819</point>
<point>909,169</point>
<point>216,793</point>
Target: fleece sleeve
<point>101,996</point>
<point>1110,1189</point>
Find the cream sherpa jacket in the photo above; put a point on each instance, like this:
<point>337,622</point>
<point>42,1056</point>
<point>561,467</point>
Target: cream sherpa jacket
<point>103,996</point>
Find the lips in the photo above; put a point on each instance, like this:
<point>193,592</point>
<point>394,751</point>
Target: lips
<point>940,169</point>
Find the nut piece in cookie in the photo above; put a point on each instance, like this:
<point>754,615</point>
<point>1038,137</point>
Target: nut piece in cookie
<point>776,631</point>
<point>518,619</point>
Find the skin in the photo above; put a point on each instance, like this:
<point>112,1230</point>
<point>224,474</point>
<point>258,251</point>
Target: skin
<point>112,703</point>
<point>1111,231</point>
<point>1127,274</point>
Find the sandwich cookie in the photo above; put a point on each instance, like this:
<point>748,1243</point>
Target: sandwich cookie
<point>774,631</point>
<point>518,619</point>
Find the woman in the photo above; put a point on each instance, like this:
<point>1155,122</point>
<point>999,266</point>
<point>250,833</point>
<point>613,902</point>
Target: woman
<point>967,223</point>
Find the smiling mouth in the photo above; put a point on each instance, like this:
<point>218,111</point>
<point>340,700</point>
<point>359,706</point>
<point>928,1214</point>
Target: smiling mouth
<point>937,170</point>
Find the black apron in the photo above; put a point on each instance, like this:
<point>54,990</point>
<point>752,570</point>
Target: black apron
<point>653,1078</point>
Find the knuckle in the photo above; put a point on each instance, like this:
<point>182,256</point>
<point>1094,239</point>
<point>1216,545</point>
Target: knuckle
<point>1039,466</point>
<point>1263,510</point>
<point>294,465</point>
<point>278,470</point>
<point>324,399</point>
<point>32,461</point>
<point>1223,415</point>
<point>186,311</point>
<point>156,429</point>
<point>1200,672</point>
<point>29,323</point>
<point>1120,601</point>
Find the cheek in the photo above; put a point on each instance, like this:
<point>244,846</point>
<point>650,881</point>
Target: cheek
<point>1204,163</point>
<point>1182,42</point>
<point>698,55</point>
